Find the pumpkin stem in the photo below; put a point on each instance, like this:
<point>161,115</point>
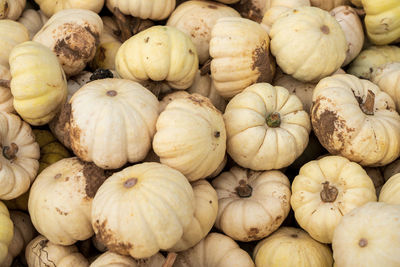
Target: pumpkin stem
<point>328,193</point>
<point>274,120</point>
<point>363,242</point>
<point>368,106</point>
<point>10,152</point>
<point>130,182</point>
<point>244,190</point>
<point>206,68</point>
<point>170,259</point>
<point>5,83</point>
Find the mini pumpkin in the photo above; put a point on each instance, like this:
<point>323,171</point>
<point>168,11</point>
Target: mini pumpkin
<point>12,33</point>
<point>144,9</point>
<point>113,259</point>
<point>33,20</point>
<point>6,231</point>
<point>6,98</point>
<point>390,192</point>
<point>325,190</point>
<point>11,9</point>
<point>50,7</point>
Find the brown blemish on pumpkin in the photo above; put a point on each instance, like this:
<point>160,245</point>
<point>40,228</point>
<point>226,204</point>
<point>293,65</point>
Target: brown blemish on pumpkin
<point>201,101</point>
<point>5,83</point>
<point>244,190</point>
<point>101,55</point>
<point>212,6</point>
<point>191,52</point>
<point>61,123</point>
<point>107,237</point>
<point>263,63</point>
<point>10,152</point>
<point>131,182</point>
<point>252,233</point>
<point>94,178</point>
<point>111,93</point>
<point>294,235</point>
<point>366,107</point>
<point>325,29</point>
<point>363,242</point>
<point>217,134</point>
<point>58,175</point>
<point>61,212</point>
<point>248,10</point>
<point>43,255</point>
<point>146,40</point>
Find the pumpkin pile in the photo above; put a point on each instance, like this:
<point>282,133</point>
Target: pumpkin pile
<point>226,133</point>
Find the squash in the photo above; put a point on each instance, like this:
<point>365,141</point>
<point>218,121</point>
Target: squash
<point>41,252</point>
<point>149,55</point>
<point>6,231</point>
<point>215,250</point>
<point>325,190</point>
<point>353,30</point>
<point>73,35</point>
<point>164,205</point>
<point>354,118</point>
<point>272,124</point>
<point>289,247</point>
<point>12,33</point>
<point>116,260</point>
<point>390,192</point>
<point>121,131</point>
<point>51,7</point>
<point>240,55</point>
<point>38,84</point>
<point>19,157</point>
<point>301,37</point>
<point>196,19</point>
<point>6,98</point>
<point>382,19</point>
<point>371,58</point>
<point>33,20</point>
<point>258,202</point>
<point>368,236</point>
<point>329,4</point>
<point>191,137</point>
<point>11,9</point>
<point>60,200</point>
<point>205,214</point>
<point>144,9</point>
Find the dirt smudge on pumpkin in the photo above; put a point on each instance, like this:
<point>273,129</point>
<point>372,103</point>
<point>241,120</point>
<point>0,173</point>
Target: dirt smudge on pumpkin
<point>61,212</point>
<point>248,10</point>
<point>252,233</point>
<point>201,101</point>
<point>107,237</point>
<point>263,62</point>
<point>94,178</point>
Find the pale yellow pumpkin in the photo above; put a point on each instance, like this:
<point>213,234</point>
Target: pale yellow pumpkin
<point>215,250</point>
<point>240,55</point>
<point>289,247</point>
<point>191,137</point>
<point>272,124</point>
<point>163,206</point>
<point>354,118</point>
<point>144,9</point>
<point>6,231</point>
<point>41,252</point>
<point>390,192</point>
<point>325,190</point>
<point>73,35</point>
<point>50,7</point>
<point>19,157</point>
<point>33,20</point>
<point>11,9</point>
<point>111,259</point>
<point>12,33</point>
<point>329,4</point>
<point>302,37</point>
<point>38,84</point>
<point>257,202</point>
<point>121,130</point>
<point>6,98</point>
<point>368,236</point>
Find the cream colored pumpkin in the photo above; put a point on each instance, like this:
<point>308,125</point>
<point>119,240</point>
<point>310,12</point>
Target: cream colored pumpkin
<point>215,250</point>
<point>24,232</point>
<point>373,57</point>
<point>121,131</point>
<point>302,37</point>
<point>272,124</point>
<point>251,204</point>
<point>352,28</point>
<point>288,247</point>
<point>11,9</point>
<point>50,7</point>
<point>144,9</point>
<point>390,192</point>
<point>368,236</point>
<point>111,259</point>
<point>12,33</point>
<point>191,137</point>
<point>38,84</point>
<point>6,98</point>
<point>73,35</point>
<point>240,55</point>
<point>354,118</point>
<point>149,55</point>
<point>60,200</point>
<point>196,19</point>
<point>33,20</point>
<point>325,190</point>
<point>6,231</point>
<point>329,4</point>
<point>164,206</point>
<point>41,252</point>
<point>387,77</point>
<point>19,158</point>
<point>205,214</point>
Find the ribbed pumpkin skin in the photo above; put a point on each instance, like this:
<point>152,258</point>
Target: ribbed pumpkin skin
<point>111,259</point>
<point>144,9</point>
<point>50,7</point>
<point>6,231</point>
<point>12,33</point>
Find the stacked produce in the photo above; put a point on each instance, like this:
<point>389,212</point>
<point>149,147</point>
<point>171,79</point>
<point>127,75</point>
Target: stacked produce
<point>200,133</point>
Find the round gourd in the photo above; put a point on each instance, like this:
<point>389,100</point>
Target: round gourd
<point>50,7</point>
<point>38,84</point>
<point>121,130</point>
<point>328,4</point>
<point>272,124</point>
<point>354,118</point>
<point>73,35</point>
<point>12,33</point>
<point>152,198</point>
<point>111,259</point>
<point>205,214</point>
<point>325,190</point>
<point>390,192</point>
<point>18,158</point>
<point>196,19</point>
<point>191,137</point>
<point>41,252</point>
<point>33,20</point>
<point>11,9</point>
<point>6,98</point>
<point>151,55</point>
<point>289,247</point>
<point>257,202</point>
<point>240,55</point>
<point>6,231</point>
<point>144,9</point>
<point>368,236</point>
<point>301,37</point>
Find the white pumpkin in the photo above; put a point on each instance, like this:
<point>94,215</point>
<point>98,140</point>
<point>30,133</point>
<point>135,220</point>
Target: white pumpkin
<point>11,34</point>
<point>109,259</point>
<point>33,20</point>
<point>144,9</point>
<point>50,7</point>
<point>11,9</point>
<point>390,192</point>
<point>6,98</point>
